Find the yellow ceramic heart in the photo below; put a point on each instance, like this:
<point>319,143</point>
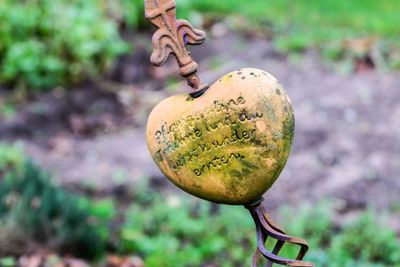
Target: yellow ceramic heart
<point>228,145</point>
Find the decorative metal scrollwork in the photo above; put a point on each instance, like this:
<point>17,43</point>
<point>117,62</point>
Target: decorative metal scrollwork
<point>172,37</point>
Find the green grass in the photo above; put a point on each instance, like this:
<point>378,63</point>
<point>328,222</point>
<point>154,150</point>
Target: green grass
<point>324,25</point>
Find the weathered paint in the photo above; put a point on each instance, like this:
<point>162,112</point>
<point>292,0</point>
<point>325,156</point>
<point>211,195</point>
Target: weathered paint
<point>228,145</point>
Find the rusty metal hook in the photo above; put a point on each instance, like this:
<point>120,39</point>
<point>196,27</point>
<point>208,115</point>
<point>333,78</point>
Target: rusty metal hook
<point>265,228</point>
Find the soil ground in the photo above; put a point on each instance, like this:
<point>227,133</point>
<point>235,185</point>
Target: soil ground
<point>346,147</point>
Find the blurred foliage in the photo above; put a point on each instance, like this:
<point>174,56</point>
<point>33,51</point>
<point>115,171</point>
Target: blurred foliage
<point>33,210</point>
<point>8,262</point>
<point>365,241</point>
<point>133,13</point>
<point>173,229</point>
<point>11,157</point>
<point>7,109</point>
<point>45,43</point>
<point>180,231</point>
<point>340,29</point>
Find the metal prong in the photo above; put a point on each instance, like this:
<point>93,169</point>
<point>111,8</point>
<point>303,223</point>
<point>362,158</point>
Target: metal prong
<point>267,228</point>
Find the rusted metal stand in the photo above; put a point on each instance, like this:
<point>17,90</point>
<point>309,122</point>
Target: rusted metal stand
<point>267,228</point>
<point>171,37</point>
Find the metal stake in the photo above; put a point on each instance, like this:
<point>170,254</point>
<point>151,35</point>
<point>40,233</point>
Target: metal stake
<point>267,228</point>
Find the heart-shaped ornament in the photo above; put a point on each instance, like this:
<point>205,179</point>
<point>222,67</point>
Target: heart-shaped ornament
<point>230,144</point>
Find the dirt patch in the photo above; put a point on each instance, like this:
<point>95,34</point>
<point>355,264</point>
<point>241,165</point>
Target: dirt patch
<point>79,111</point>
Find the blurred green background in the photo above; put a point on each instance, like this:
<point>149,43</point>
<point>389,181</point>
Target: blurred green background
<point>77,186</point>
